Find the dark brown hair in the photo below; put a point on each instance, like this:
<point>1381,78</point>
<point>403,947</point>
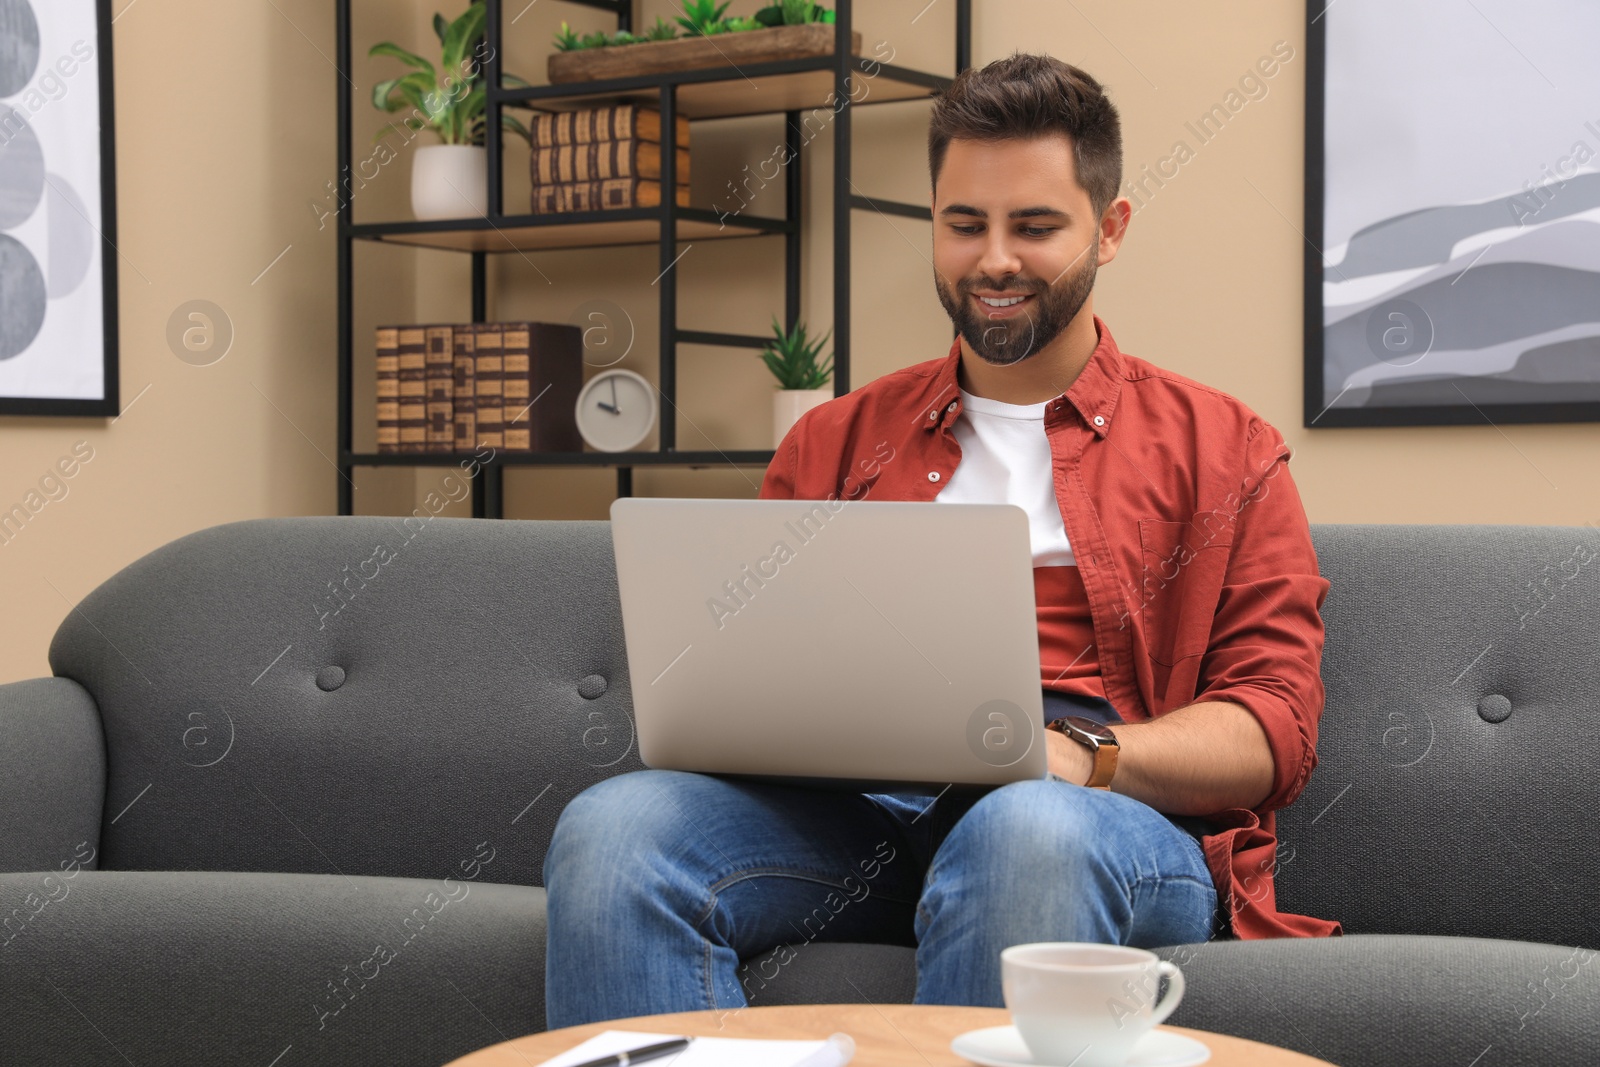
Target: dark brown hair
<point>1023,96</point>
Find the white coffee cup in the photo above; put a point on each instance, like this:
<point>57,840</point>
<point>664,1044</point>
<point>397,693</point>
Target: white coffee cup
<point>1085,1004</point>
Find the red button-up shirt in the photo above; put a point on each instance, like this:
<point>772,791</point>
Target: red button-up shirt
<point>1192,545</point>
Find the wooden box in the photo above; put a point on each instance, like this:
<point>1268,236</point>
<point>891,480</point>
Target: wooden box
<point>694,53</point>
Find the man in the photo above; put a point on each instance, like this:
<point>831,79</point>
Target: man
<point>1180,640</point>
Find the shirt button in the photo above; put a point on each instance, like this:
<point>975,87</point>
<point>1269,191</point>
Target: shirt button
<point>933,476</point>
<point>952,406</point>
<point>1099,420</point>
<point>933,415</point>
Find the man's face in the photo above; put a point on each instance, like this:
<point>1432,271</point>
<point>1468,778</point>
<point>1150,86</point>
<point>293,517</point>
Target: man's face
<point>1010,220</point>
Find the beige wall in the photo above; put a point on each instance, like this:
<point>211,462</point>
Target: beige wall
<point>220,157</point>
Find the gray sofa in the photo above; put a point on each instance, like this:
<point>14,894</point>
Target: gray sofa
<point>286,799</point>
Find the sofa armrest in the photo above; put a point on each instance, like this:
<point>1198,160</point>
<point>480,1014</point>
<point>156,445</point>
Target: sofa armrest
<point>52,775</point>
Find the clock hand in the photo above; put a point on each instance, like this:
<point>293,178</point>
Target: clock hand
<point>616,405</point>
<point>608,407</point>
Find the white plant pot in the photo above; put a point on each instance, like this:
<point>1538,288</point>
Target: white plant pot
<point>789,404</point>
<point>450,181</point>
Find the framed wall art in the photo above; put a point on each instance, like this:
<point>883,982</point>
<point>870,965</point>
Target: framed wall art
<point>1452,271</point>
<point>58,258</point>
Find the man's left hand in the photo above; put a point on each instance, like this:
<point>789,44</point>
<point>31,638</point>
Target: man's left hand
<point>1067,758</point>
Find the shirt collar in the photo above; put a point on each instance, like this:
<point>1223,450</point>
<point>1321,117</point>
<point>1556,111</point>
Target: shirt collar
<point>1093,393</point>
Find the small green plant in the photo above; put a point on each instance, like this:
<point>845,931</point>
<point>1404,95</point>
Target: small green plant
<point>792,358</point>
<point>453,107</point>
<point>793,13</point>
<point>702,18</point>
<point>661,31</point>
<point>569,40</point>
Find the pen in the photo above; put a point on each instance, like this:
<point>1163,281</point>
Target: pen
<point>639,1055</point>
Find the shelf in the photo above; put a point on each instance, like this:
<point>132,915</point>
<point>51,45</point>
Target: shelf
<point>584,229</point>
<point>503,458</point>
<point>800,89</point>
<point>753,89</point>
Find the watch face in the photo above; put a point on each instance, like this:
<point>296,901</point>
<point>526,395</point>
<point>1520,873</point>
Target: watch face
<point>616,410</point>
<point>1092,728</point>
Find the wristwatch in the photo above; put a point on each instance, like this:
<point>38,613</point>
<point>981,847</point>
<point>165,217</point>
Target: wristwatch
<point>1098,739</point>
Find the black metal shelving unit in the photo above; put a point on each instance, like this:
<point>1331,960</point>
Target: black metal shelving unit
<point>795,87</point>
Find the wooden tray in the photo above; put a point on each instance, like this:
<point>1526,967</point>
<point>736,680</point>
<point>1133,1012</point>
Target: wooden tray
<point>694,53</point>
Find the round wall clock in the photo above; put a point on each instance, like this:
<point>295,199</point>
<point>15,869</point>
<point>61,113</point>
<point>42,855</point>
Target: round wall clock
<point>616,410</point>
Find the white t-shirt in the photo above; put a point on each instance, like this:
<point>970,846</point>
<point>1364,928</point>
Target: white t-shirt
<point>1005,459</point>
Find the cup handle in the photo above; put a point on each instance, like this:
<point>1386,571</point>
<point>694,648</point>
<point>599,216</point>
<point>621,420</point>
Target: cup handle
<point>1174,992</point>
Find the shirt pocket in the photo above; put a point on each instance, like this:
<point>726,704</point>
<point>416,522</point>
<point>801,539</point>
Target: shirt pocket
<point>1180,583</point>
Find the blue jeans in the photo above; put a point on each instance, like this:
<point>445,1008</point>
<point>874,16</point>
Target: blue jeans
<point>660,882</point>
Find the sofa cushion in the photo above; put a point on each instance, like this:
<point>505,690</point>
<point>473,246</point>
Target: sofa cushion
<point>194,967</point>
<point>1364,1000</point>
<point>52,776</point>
<point>1379,1000</point>
<point>830,972</point>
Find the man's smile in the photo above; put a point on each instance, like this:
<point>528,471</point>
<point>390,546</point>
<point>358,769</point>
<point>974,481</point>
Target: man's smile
<point>1000,306</point>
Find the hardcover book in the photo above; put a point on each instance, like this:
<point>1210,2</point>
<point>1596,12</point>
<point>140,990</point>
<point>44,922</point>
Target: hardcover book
<point>489,366</point>
<point>514,386</point>
<point>388,388</point>
<point>615,123</point>
<point>600,195</point>
<point>440,381</point>
<point>555,377</point>
<point>466,388</point>
<point>413,363</point>
<point>632,158</point>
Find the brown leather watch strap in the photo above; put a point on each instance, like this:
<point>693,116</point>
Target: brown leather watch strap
<point>1105,766</point>
<point>1105,752</point>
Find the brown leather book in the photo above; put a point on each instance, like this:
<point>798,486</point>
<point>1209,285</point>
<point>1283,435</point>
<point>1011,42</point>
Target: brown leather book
<point>490,367</point>
<point>600,195</point>
<point>618,122</point>
<point>388,389</point>
<point>555,377</point>
<point>466,388</point>
<point>413,389</point>
<point>440,380</point>
<point>514,389</point>
<point>632,158</point>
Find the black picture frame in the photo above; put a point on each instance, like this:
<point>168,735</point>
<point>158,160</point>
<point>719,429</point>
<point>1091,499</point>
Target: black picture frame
<point>1318,412</point>
<point>109,403</point>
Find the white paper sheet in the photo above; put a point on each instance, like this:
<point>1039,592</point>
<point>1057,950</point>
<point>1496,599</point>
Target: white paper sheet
<point>836,1051</point>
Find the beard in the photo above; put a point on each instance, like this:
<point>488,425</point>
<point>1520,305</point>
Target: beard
<point>1002,342</point>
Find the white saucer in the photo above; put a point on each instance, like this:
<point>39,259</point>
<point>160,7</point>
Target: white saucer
<point>1002,1046</point>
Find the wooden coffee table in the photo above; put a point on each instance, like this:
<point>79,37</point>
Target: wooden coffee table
<point>886,1035</point>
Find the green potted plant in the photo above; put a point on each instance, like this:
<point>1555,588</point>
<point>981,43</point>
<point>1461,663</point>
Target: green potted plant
<point>711,38</point>
<point>803,383</point>
<point>449,180</point>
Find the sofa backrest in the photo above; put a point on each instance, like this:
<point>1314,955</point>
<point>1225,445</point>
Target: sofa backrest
<point>1459,771</point>
<point>384,697</point>
<point>355,695</point>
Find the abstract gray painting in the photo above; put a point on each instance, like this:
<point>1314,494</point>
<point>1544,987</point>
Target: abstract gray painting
<point>56,290</point>
<point>1460,236</point>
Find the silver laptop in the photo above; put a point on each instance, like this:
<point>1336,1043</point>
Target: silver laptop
<point>881,646</point>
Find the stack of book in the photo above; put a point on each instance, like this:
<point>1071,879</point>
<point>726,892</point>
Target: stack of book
<point>452,387</point>
<point>604,157</point>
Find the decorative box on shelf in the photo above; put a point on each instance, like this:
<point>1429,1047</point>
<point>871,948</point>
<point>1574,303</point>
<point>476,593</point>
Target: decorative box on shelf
<point>695,53</point>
